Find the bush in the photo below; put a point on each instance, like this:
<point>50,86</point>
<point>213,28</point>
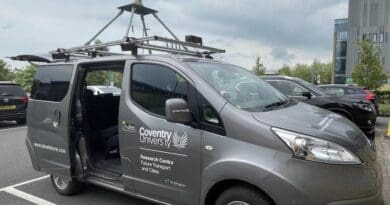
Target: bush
<point>383,97</point>
<point>384,110</point>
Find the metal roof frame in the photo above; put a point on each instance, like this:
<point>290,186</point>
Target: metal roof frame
<point>150,43</point>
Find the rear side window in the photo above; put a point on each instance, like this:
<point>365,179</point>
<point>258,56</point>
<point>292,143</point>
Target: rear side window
<point>51,83</point>
<point>287,87</point>
<point>360,91</point>
<point>152,85</point>
<point>334,91</point>
<point>11,90</point>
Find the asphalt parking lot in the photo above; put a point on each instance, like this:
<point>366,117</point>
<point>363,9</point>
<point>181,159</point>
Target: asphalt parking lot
<point>20,184</point>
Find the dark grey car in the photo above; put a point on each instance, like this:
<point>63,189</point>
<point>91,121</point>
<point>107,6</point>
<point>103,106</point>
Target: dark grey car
<point>361,112</point>
<point>13,102</point>
<point>188,130</point>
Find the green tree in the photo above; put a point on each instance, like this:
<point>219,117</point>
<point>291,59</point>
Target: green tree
<point>369,72</point>
<point>25,76</point>
<point>321,73</point>
<point>302,71</point>
<point>5,72</point>
<point>105,78</point>
<point>258,69</point>
<point>285,71</point>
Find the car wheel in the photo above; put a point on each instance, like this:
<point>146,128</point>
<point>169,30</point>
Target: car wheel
<point>241,195</point>
<point>64,186</point>
<point>21,121</point>
<point>371,136</point>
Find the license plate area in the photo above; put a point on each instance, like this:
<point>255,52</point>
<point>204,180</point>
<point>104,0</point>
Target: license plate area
<point>7,107</point>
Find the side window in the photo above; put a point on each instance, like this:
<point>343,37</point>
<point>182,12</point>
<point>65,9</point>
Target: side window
<point>350,91</point>
<point>209,117</point>
<point>51,83</point>
<point>104,81</point>
<point>288,88</point>
<point>207,113</point>
<point>334,91</point>
<point>152,85</point>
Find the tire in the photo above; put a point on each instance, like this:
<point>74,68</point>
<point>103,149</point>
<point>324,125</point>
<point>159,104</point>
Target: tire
<point>21,121</point>
<point>242,195</point>
<point>65,187</point>
<point>371,136</point>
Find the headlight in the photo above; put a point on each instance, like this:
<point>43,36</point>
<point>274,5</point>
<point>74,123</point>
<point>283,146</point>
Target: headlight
<point>363,106</point>
<point>318,150</point>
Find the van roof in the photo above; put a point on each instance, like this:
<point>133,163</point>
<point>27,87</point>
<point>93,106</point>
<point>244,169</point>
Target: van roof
<point>177,57</point>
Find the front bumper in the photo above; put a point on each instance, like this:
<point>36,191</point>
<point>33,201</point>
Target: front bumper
<point>366,122</point>
<point>302,182</point>
<point>374,200</point>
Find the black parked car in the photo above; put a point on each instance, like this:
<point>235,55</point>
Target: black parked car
<point>361,112</point>
<point>361,93</point>
<point>13,102</point>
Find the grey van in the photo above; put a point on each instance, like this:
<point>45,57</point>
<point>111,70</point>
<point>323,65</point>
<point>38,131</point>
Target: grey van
<point>189,130</point>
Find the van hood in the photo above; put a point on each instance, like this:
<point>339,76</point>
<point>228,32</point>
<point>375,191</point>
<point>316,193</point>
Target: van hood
<point>313,121</point>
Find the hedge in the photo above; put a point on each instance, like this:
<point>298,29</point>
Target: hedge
<point>384,110</point>
<point>383,97</point>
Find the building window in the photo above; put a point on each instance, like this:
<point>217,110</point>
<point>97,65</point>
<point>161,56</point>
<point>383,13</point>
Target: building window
<point>374,37</point>
<point>381,37</point>
<point>340,66</point>
<point>364,36</point>
<point>341,49</point>
<point>383,60</point>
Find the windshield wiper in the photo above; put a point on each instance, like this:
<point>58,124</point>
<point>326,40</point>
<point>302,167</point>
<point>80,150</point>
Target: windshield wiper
<point>276,104</point>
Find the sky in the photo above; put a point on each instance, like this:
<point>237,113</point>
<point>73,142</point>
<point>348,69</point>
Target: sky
<point>279,31</point>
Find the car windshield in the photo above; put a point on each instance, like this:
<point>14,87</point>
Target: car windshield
<point>313,87</point>
<point>239,87</point>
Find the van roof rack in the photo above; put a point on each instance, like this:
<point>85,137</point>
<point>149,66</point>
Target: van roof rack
<point>192,45</point>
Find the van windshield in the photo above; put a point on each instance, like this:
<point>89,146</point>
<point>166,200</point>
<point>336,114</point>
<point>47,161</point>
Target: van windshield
<point>239,87</point>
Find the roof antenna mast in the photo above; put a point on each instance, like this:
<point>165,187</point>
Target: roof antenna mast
<point>192,45</point>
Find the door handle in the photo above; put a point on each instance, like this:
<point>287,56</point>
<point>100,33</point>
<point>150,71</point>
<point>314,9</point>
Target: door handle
<point>57,118</point>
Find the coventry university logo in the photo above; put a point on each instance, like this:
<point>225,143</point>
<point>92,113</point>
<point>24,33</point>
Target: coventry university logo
<point>163,138</point>
<point>180,142</point>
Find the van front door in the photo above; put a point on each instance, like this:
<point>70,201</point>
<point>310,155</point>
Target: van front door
<point>48,119</point>
<point>165,156</point>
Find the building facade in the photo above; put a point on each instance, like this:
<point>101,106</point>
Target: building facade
<point>340,51</point>
<point>368,19</point>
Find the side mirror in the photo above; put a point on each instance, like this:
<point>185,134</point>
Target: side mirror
<point>177,110</point>
<point>306,94</point>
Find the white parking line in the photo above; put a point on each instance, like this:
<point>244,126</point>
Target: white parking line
<point>26,196</point>
<point>16,128</point>
<point>25,182</point>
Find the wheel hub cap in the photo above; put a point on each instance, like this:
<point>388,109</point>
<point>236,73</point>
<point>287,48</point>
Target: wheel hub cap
<point>60,182</point>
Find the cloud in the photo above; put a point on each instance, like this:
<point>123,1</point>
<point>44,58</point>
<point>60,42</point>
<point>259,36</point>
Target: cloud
<point>282,53</point>
<point>6,27</point>
<point>281,32</point>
